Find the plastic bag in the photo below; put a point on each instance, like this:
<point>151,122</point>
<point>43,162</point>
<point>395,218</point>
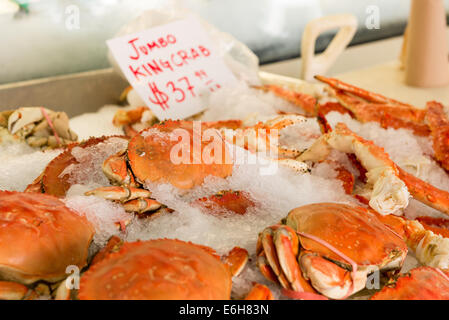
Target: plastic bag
<point>237,56</point>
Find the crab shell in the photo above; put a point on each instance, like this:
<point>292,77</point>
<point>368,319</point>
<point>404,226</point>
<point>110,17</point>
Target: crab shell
<point>151,155</point>
<point>40,237</point>
<point>424,283</point>
<point>160,269</point>
<point>50,181</point>
<point>354,231</point>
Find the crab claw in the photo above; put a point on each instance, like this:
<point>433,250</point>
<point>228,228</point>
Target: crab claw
<point>121,194</point>
<point>134,199</point>
<point>329,279</point>
<point>142,205</point>
<point>236,259</point>
<point>280,246</point>
<point>259,292</point>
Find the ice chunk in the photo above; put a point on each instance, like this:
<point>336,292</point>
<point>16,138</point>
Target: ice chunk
<point>21,164</point>
<point>88,170</point>
<point>103,214</point>
<point>244,103</point>
<point>96,124</point>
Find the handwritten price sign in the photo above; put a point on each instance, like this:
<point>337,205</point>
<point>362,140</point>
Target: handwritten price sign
<point>171,67</point>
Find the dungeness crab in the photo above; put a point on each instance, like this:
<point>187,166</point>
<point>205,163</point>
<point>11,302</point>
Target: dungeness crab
<point>39,238</point>
<point>164,269</point>
<point>328,248</point>
<point>336,246</point>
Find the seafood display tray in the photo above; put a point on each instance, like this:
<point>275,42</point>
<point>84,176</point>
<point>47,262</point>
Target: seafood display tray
<point>84,92</point>
<point>74,94</point>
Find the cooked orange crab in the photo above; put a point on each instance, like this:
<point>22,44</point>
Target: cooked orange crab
<point>51,180</point>
<point>424,283</point>
<point>169,152</point>
<point>162,269</point>
<point>328,248</point>
<point>39,238</point>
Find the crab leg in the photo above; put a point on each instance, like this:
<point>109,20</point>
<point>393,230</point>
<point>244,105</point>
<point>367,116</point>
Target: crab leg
<point>439,127</point>
<point>391,185</point>
<point>134,199</point>
<point>431,249</point>
<point>425,192</point>
<point>359,92</point>
<point>272,261</point>
<point>236,259</point>
<point>437,225</point>
<point>389,193</point>
<point>367,106</point>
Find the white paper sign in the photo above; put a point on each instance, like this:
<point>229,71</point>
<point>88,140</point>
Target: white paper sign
<point>171,67</point>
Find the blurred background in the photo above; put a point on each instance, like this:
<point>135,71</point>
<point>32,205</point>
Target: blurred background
<point>41,38</point>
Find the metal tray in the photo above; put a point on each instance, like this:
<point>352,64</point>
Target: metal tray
<point>84,92</point>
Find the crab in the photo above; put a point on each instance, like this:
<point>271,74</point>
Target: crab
<point>38,126</point>
<point>52,181</point>
<point>366,106</point>
<point>388,186</point>
<point>423,283</point>
<point>150,157</point>
<point>162,269</point>
<point>40,237</point>
<point>328,249</point>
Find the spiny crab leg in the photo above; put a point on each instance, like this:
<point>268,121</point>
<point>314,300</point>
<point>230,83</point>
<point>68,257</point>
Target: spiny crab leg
<point>438,123</point>
<point>390,185</point>
<point>367,106</point>
<point>389,193</point>
<point>364,94</point>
